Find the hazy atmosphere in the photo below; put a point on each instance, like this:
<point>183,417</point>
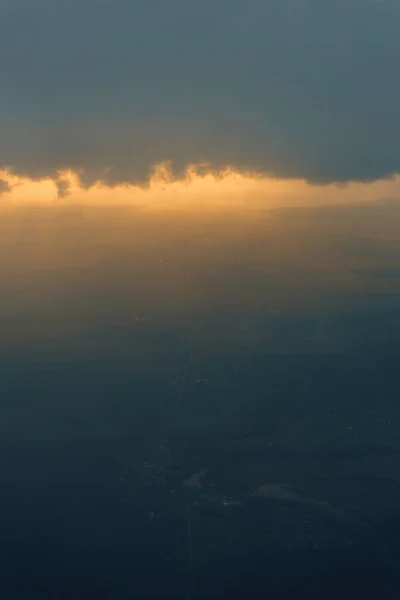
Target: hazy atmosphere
<point>199,299</point>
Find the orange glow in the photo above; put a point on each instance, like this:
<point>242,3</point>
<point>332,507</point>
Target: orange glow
<point>228,189</point>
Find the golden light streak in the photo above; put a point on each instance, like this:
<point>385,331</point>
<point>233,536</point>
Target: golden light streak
<point>197,190</point>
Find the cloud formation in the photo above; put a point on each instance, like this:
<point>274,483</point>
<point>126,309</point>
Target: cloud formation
<point>4,186</point>
<point>109,88</point>
<point>62,187</point>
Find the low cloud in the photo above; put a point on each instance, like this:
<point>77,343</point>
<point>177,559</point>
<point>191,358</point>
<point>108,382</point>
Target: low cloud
<point>62,186</point>
<point>4,186</point>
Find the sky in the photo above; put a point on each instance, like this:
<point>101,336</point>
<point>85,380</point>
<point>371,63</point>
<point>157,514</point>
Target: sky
<point>101,92</point>
<point>199,269</point>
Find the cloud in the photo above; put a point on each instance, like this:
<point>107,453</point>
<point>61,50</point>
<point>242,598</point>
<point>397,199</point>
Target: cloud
<point>109,88</point>
<point>4,186</point>
<point>62,186</point>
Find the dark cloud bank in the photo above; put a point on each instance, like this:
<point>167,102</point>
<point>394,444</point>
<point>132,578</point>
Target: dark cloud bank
<point>297,88</point>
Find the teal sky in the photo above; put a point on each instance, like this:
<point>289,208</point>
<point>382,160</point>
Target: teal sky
<point>294,88</point>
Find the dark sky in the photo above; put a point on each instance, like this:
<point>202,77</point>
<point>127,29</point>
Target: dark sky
<point>108,88</point>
